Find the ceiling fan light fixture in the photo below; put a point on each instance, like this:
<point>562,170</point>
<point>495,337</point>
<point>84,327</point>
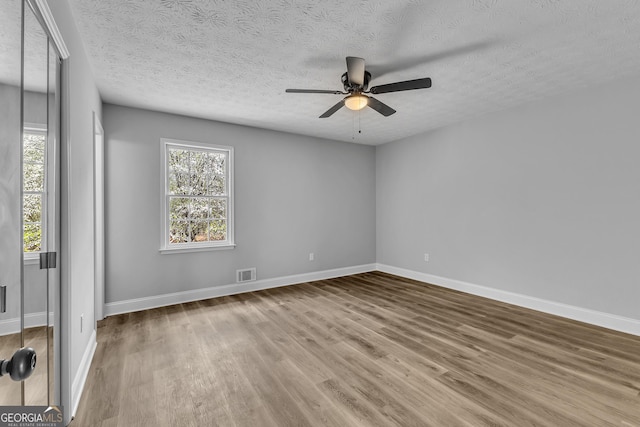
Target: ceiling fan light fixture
<point>356,101</point>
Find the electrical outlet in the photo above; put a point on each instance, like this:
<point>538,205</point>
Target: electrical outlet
<point>426,257</point>
<point>312,256</point>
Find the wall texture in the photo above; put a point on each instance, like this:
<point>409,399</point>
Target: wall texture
<point>293,195</point>
<point>541,200</point>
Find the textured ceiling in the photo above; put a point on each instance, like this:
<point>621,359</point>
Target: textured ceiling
<point>35,52</point>
<point>232,60</point>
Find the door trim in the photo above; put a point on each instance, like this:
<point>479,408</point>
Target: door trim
<point>98,216</point>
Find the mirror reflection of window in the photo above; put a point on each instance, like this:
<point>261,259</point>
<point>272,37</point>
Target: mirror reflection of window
<point>34,197</point>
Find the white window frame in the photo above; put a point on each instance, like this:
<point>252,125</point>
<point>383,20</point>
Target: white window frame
<point>166,247</point>
<point>36,128</point>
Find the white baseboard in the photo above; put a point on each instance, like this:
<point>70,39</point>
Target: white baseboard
<point>138,304</point>
<point>606,320</point>
<point>598,318</point>
<point>31,320</point>
<point>81,375</point>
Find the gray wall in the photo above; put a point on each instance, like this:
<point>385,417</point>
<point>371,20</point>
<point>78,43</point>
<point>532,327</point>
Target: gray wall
<point>293,195</point>
<point>35,112</point>
<point>541,200</point>
<point>10,182</point>
<point>80,99</point>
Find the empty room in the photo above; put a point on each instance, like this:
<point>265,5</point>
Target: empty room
<point>341,213</point>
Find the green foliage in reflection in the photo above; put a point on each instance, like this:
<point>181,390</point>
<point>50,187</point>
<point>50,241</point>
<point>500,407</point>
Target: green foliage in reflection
<point>32,237</point>
<point>33,187</point>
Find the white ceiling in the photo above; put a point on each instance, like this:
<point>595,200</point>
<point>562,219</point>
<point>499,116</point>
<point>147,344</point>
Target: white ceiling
<point>232,60</point>
<point>35,52</point>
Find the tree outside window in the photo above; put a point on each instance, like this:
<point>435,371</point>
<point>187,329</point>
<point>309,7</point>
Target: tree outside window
<point>33,200</point>
<point>198,200</point>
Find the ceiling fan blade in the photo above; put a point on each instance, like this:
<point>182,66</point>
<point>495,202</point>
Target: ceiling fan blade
<point>333,92</point>
<point>404,64</point>
<point>380,107</point>
<point>355,70</point>
<point>332,110</point>
<point>400,86</point>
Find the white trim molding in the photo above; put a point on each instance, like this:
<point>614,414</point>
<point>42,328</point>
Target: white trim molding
<point>146,303</point>
<point>166,247</point>
<point>31,320</point>
<point>53,29</point>
<point>165,251</point>
<point>81,374</point>
<point>593,317</point>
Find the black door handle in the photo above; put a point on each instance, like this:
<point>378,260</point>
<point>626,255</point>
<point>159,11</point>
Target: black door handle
<point>21,365</point>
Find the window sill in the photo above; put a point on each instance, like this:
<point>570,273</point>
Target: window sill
<point>170,251</point>
<point>32,260</point>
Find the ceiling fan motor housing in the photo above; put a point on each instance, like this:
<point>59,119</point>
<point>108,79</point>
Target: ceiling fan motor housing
<point>351,88</point>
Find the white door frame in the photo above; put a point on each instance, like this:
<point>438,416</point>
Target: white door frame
<point>98,206</point>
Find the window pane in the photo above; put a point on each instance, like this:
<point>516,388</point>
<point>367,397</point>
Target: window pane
<point>178,171</point>
<point>217,163</point>
<point>34,145</point>
<point>32,207</point>
<point>33,153</point>
<point>179,232</point>
<point>199,231</point>
<point>199,208</point>
<point>174,183</point>
<point>178,208</point>
<point>198,172</point>
<point>218,230</point>
<point>218,208</point>
<point>198,190</point>
<point>178,160</point>
<point>217,186</point>
<point>33,177</point>
<point>179,184</point>
<point>35,141</point>
<point>32,237</point>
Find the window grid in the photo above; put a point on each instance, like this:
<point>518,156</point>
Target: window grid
<point>197,196</point>
<point>33,190</point>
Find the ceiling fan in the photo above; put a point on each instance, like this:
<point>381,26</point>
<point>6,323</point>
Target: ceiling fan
<point>356,81</point>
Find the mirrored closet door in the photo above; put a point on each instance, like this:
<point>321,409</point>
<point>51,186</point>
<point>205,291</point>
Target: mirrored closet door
<point>29,281</point>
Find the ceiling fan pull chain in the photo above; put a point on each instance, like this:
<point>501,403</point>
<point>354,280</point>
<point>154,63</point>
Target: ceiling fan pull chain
<point>353,127</point>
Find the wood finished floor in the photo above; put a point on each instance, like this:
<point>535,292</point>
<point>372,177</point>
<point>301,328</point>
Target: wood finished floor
<point>36,384</point>
<point>366,350</point>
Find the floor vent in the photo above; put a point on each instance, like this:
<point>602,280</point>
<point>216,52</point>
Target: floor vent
<point>246,275</point>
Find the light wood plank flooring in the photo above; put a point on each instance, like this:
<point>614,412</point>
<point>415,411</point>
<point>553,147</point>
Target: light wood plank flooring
<point>365,350</point>
<point>36,385</point>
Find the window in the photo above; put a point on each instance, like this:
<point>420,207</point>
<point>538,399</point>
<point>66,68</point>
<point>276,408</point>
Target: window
<point>198,196</point>
<point>33,189</point>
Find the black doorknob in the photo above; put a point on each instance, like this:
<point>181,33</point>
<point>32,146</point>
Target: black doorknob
<point>21,365</point>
